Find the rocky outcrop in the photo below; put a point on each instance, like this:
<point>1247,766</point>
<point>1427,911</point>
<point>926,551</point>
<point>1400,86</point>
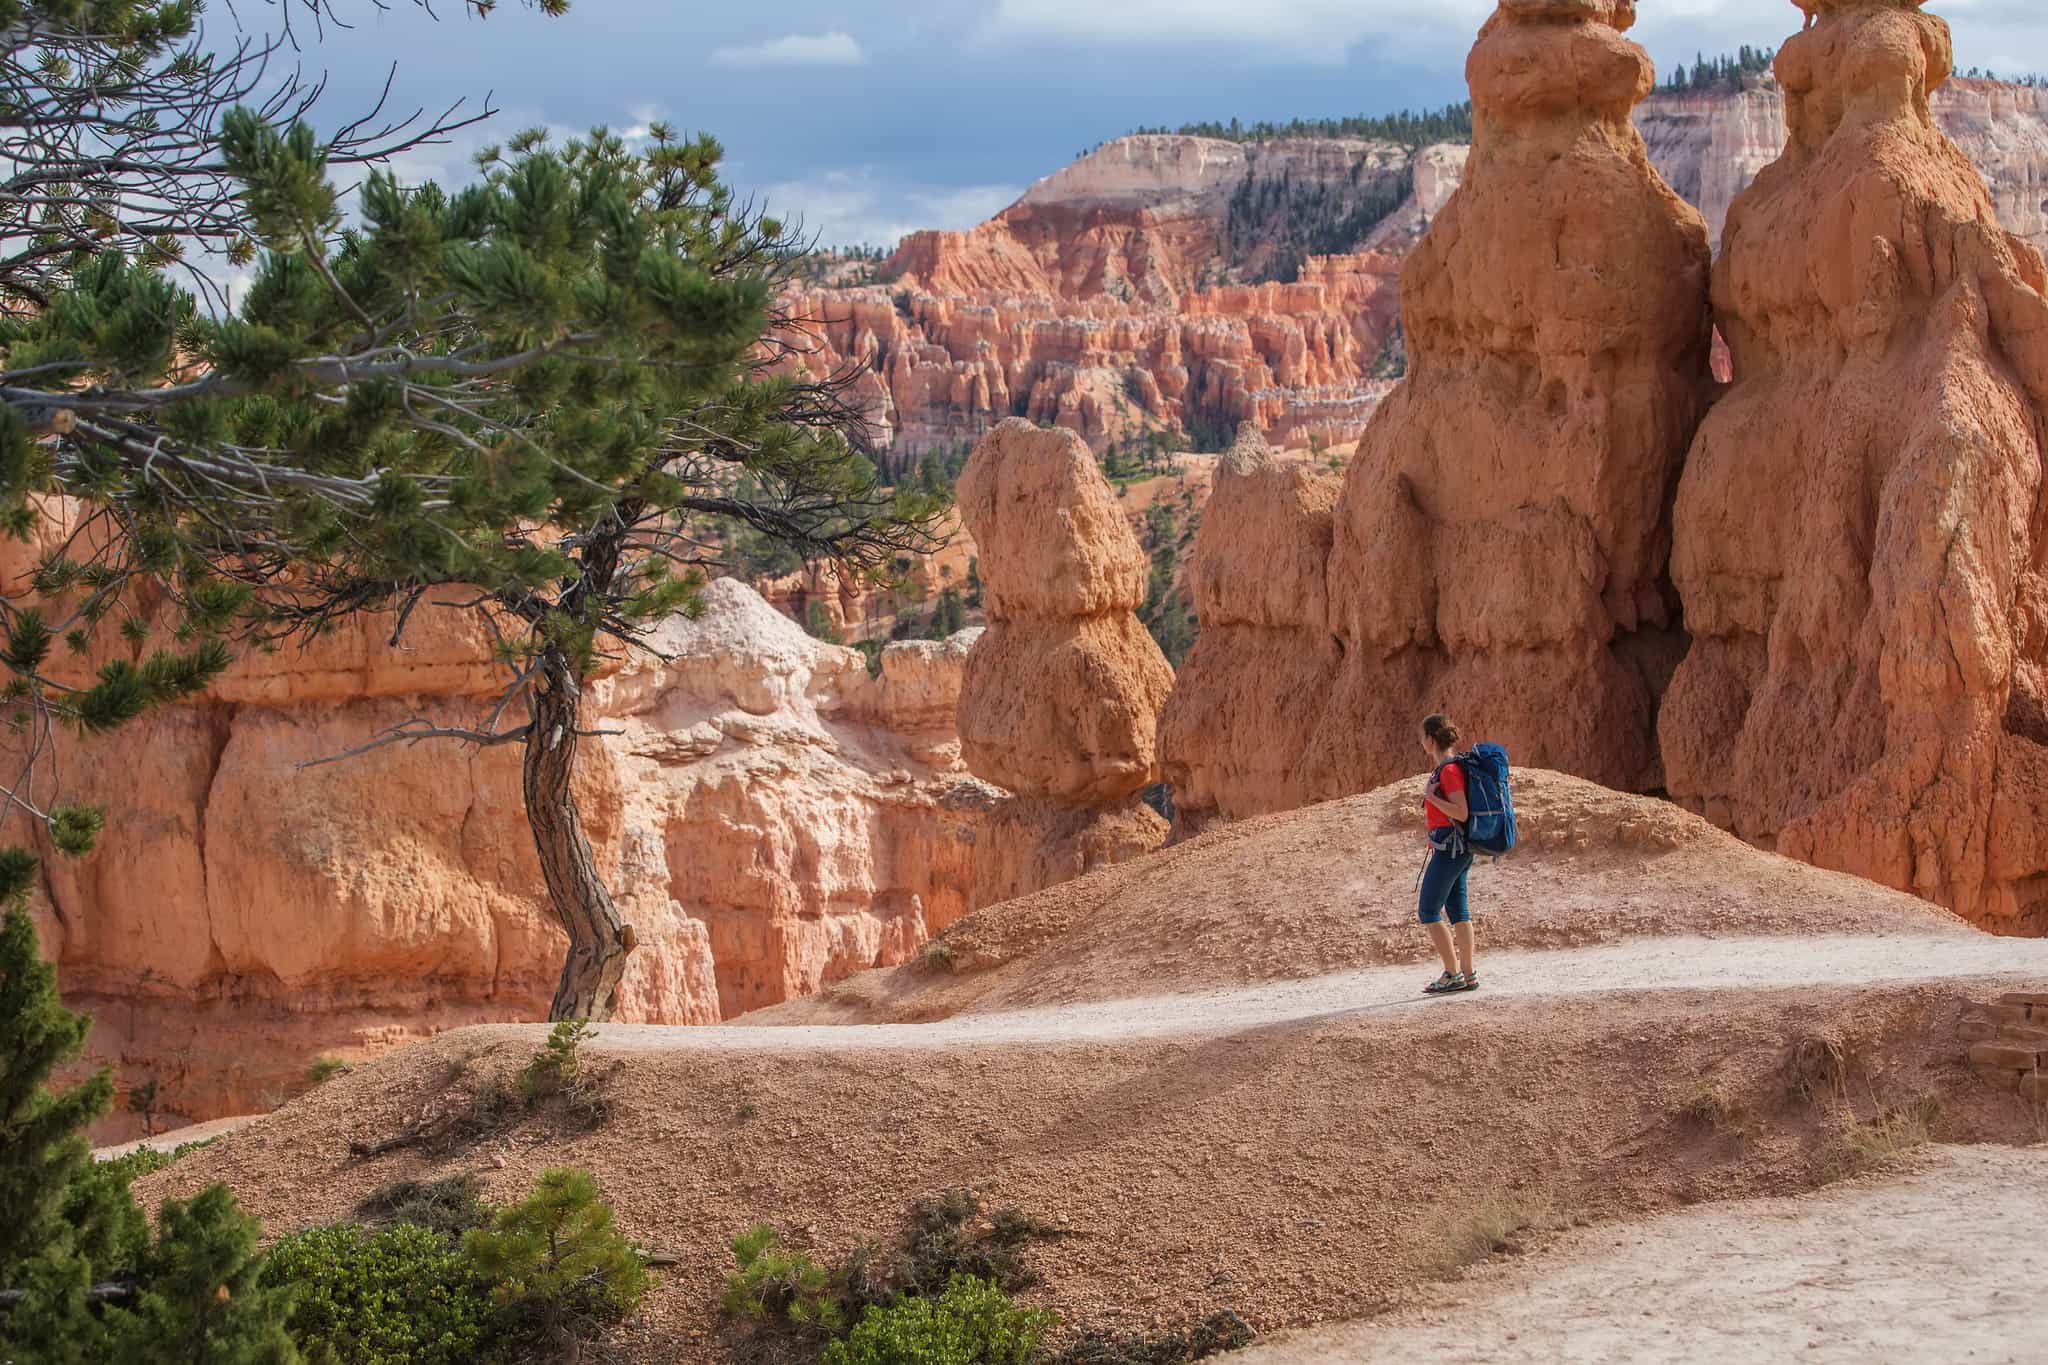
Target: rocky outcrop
<point>1061,697</point>
<point>1500,546</point>
<point>769,816</point>
<point>1247,702</point>
<point>947,367</point>
<point>1861,538</point>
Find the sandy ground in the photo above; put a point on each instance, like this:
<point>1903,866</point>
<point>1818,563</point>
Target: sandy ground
<point>1942,1258</point>
<point>177,1137</point>
<point>1281,1151</point>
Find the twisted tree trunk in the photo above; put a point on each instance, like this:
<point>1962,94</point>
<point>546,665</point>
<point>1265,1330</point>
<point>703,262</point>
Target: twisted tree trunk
<point>598,939</point>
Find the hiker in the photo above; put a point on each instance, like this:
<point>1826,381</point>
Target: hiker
<point>1446,809</point>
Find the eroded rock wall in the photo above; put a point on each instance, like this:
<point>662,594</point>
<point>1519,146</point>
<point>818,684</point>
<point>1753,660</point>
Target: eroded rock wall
<point>1122,292</point>
<point>1861,538</point>
<point>768,816</point>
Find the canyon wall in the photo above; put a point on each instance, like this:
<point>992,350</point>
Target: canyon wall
<point>1139,288</point>
<point>1861,539</point>
<point>769,816</point>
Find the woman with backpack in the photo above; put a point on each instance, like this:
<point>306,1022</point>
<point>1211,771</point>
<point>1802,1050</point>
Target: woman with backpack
<point>1446,809</point>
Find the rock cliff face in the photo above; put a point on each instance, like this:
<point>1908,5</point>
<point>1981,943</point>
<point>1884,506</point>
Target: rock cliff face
<point>1861,539</point>
<point>1137,287</point>
<point>769,816</point>
<point>1711,146</point>
<point>1061,698</point>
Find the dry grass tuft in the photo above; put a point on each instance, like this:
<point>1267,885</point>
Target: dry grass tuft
<point>1500,1222</point>
<point>1864,1144</point>
<point>1816,1068</point>
<point>1707,1107</point>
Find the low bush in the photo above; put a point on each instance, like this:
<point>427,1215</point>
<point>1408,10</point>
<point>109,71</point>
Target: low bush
<point>324,1069</point>
<point>1859,1145</point>
<point>553,1068</point>
<point>401,1295</point>
<point>971,1322</point>
<point>776,1285</point>
<point>559,1270</point>
<point>1224,1331</point>
<point>450,1207</point>
<point>1497,1222</point>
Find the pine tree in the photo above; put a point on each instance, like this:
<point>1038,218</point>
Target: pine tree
<point>540,398</point>
<point>205,1301</point>
<point>75,1253</point>
<point>41,1147</point>
<point>109,179</point>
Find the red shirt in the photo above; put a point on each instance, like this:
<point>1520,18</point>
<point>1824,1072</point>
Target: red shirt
<point>1453,781</point>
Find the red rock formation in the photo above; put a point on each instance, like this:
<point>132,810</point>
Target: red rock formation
<point>1500,545</point>
<point>1861,539</point>
<point>1114,295</point>
<point>948,368</point>
<point>769,816</point>
<point>1246,705</point>
<point>1061,697</point>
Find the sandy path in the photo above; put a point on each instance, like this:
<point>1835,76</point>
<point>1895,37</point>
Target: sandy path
<point>1657,964</point>
<point>175,1138</point>
<point>1939,1261</point>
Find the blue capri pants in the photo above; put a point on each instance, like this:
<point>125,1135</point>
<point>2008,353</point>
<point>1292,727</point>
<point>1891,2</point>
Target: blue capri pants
<point>1443,887</point>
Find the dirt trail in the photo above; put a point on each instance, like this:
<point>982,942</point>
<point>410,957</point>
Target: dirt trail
<point>1656,964</point>
<point>1940,1260</point>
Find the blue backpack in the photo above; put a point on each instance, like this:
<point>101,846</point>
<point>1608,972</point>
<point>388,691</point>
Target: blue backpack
<point>1490,828</point>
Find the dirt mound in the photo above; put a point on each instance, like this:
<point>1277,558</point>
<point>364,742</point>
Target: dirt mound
<point>1331,887</point>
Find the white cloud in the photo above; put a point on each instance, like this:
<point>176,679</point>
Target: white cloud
<point>2004,34</point>
<point>1317,32</point>
<point>826,49</point>
<point>866,207</point>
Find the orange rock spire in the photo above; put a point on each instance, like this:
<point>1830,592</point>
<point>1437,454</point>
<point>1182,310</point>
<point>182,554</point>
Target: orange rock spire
<point>1861,539</point>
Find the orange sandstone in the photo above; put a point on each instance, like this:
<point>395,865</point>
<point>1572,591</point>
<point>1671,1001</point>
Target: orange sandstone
<point>1861,539</point>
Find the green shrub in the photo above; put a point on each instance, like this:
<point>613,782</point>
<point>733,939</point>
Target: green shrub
<point>558,1268</point>
<point>402,1295</point>
<point>450,1207</point>
<point>207,1301</point>
<point>774,1284</point>
<point>324,1069</point>
<point>972,1323</point>
<point>553,1068</point>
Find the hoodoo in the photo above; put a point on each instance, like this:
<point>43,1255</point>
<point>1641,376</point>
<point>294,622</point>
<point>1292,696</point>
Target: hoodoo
<point>1060,702</point>
<point>1861,537</point>
<point>1251,693</point>
<point>1500,545</point>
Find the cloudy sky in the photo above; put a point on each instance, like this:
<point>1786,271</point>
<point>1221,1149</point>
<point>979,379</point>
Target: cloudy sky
<point>870,119</point>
